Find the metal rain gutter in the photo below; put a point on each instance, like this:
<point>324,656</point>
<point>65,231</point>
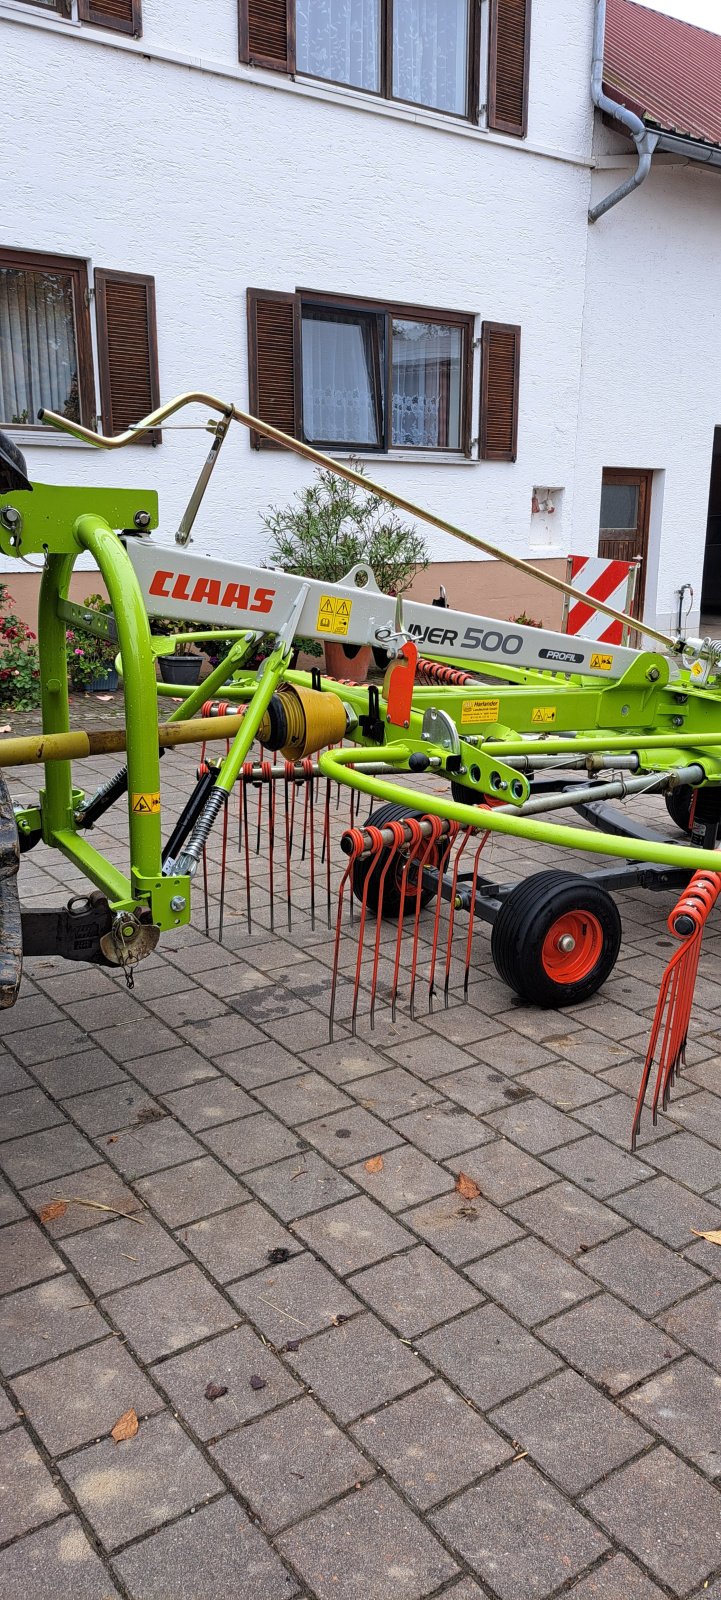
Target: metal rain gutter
<point>644,140</point>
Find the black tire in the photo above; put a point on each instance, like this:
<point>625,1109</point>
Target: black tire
<point>679,803</point>
<point>533,967</point>
<point>391,890</point>
<point>464,796</point>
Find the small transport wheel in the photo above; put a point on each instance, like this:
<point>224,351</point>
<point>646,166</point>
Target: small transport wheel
<point>680,805</point>
<point>392,885</point>
<point>464,796</point>
<point>556,938</point>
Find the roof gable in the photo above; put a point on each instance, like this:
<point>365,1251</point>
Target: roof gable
<point>667,71</point>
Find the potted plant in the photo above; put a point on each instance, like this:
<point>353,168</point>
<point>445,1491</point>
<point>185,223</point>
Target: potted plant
<point>91,661</point>
<point>19,665</point>
<point>330,527</point>
<point>184,665</point>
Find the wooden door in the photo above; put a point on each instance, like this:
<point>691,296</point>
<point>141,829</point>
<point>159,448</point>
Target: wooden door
<point>623,530</point>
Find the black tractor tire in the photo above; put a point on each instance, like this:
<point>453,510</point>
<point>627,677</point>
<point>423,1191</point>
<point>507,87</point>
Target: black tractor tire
<point>679,805</point>
<point>392,887</point>
<point>526,939</point>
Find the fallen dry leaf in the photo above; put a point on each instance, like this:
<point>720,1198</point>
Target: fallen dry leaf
<point>712,1234</point>
<point>54,1209</point>
<point>467,1186</point>
<point>215,1391</point>
<point>6,728</point>
<point>374,1165</point>
<point>126,1427</point>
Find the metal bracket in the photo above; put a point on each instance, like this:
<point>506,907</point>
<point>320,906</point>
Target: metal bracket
<point>100,623</point>
<point>437,728</point>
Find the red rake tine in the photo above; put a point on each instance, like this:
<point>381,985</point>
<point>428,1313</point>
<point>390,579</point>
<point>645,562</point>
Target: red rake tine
<point>416,841</point>
<point>288,818</point>
<point>326,849</point>
<point>442,865</point>
<point>266,769</point>
<point>247,773</point>
<point>436,826</point>
<point>472,913</point>
<point>309,784</point>
<point>398,831</point>
<point>376,839</point>
<point>467,833</point>
<point>356,840</point>
<point>222,711</point>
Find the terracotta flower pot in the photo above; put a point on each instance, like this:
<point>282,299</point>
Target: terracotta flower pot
<point>347,661</point>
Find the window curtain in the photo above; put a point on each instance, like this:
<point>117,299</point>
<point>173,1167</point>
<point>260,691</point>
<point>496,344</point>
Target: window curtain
<point>38,360</point>
<point>430,53</point>
<point>426,362</point>
<point>339,40</point>
<point>339,381</point>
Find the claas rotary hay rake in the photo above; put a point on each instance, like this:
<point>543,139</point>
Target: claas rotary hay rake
<point>510,724</point>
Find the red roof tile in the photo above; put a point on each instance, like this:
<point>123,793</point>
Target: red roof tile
<point>667,71</point>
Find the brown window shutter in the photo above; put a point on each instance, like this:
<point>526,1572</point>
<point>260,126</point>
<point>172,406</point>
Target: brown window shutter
<point>122,16</point>
<point>500,366</point>
<point>272,362</point>
<point>509,46</point>
<point>127,350</point>
<point>266,33</point>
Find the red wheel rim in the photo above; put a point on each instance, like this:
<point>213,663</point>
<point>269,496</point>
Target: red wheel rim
<point>572,947</point>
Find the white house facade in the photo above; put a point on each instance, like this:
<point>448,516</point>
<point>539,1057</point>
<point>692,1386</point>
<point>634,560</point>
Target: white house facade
<point>372,224</point>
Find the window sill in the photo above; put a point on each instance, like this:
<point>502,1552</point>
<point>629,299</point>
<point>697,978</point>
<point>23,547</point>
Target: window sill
<point>419,458</point>
<point>44,438</point>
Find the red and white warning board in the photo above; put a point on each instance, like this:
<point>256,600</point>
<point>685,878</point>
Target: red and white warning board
<point>612,582</point>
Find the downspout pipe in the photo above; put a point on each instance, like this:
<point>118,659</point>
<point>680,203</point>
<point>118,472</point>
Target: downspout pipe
<point>644,140</point>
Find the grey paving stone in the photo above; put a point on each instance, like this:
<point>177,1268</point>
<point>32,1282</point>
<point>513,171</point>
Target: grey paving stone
<point>127,1042</point>
<point>126,1489</point>
<point>531,1281</point>
<point>42,1565</point>
<point>534,1125</point>
<point>11,1209</point>
<point>119,1105</point>
<point>463,1024</point>
<point>187,1005</point>
<point>25,1256</point>
<point>294,1299</point>
<point>28,1496</point>
<point>300,1184</point>
<point>52,1153</point>
<point>487,1356</point>
<point>98,1183</point>
<point>393,1093</point>
<point>356,1367</point>
<point>443,1130</point>
<point>564,1085</point>
<point>406,1178</point>
<point>519,1534</point>
<point>78,1073</point>
<point>512,1053</point>
<point>214,1554</point>
<point>479,1089</point>
<point>259,1064</point>
<point>706,1255</point>
<point>45,1321</point>
<point>594,1051</point>
<point>668,1211</point>
<point>303,1097</point>
<point>642,1271</point>
<point>502,1171</point>
<point>633,1505</point>
<point>466,1590</point>
<point>203,1104</point>
<point>172,1069</point>
<point>566,1218</point>
<point>617,1579</point>
<point>349,1135</point>
<point>697,1323</point>
<point>688,1159</point>
<point>136,1151</point>
<point>461,1229</point>
<point>431,1443</point>
<point>121,1253</point>
<point>195,1189</point>
<point>230,1360</point>
<point>74,1399</point>
<point>252,1142</point>
<point>613,1118</point>
<point>571,1431</point>
<point>310,1029</point>
<point>215,1035</point>
<point>105,1010</point>
<point>291,1463</point>
<point>26,1111</point>
<point>598,1166</point>
<point>165,1313</point>
<point>351,1235</point>
<point>684,1406</point>
<point>701,1113</point>
<point>12,1075</point>
<point>429,1057</point>
<point>368,1547</point>
<point>414,1291</point>
<point>55,1039</point>
<point>609,1343</point>
<point>237,1241</point>
<point>8,1414</point>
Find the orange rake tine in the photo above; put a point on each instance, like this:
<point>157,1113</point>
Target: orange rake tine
<point>355,839</point>
<point>398,831</point>
<point>288,817</point>
<point>376,839</point>
<point>472,913</point>
<point>466,835</point>
<point>436,826</point>
<point>448,844</point>
<point>245,779</point>
<point>416,840</point>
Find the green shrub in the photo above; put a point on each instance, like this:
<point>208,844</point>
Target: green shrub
<point>19,664</point>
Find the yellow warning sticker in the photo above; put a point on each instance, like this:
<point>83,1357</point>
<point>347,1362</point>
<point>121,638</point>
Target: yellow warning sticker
<point>144,805</point>
<point>697,669</point>
<point>333,614</point>
<point>543,714</point>
<point>604,663</point>
<point>480,710</point>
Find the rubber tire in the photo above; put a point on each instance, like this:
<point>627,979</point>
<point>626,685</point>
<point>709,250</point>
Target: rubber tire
<point>391,893</point>
<point>521,927</point>
<point>464,796</point>
<point>678,805</point>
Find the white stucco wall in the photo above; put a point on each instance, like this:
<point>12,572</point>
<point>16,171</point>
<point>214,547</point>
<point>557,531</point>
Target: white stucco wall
<point>169,158</point>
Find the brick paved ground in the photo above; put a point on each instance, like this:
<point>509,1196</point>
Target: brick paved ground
<point>516,1396</point>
